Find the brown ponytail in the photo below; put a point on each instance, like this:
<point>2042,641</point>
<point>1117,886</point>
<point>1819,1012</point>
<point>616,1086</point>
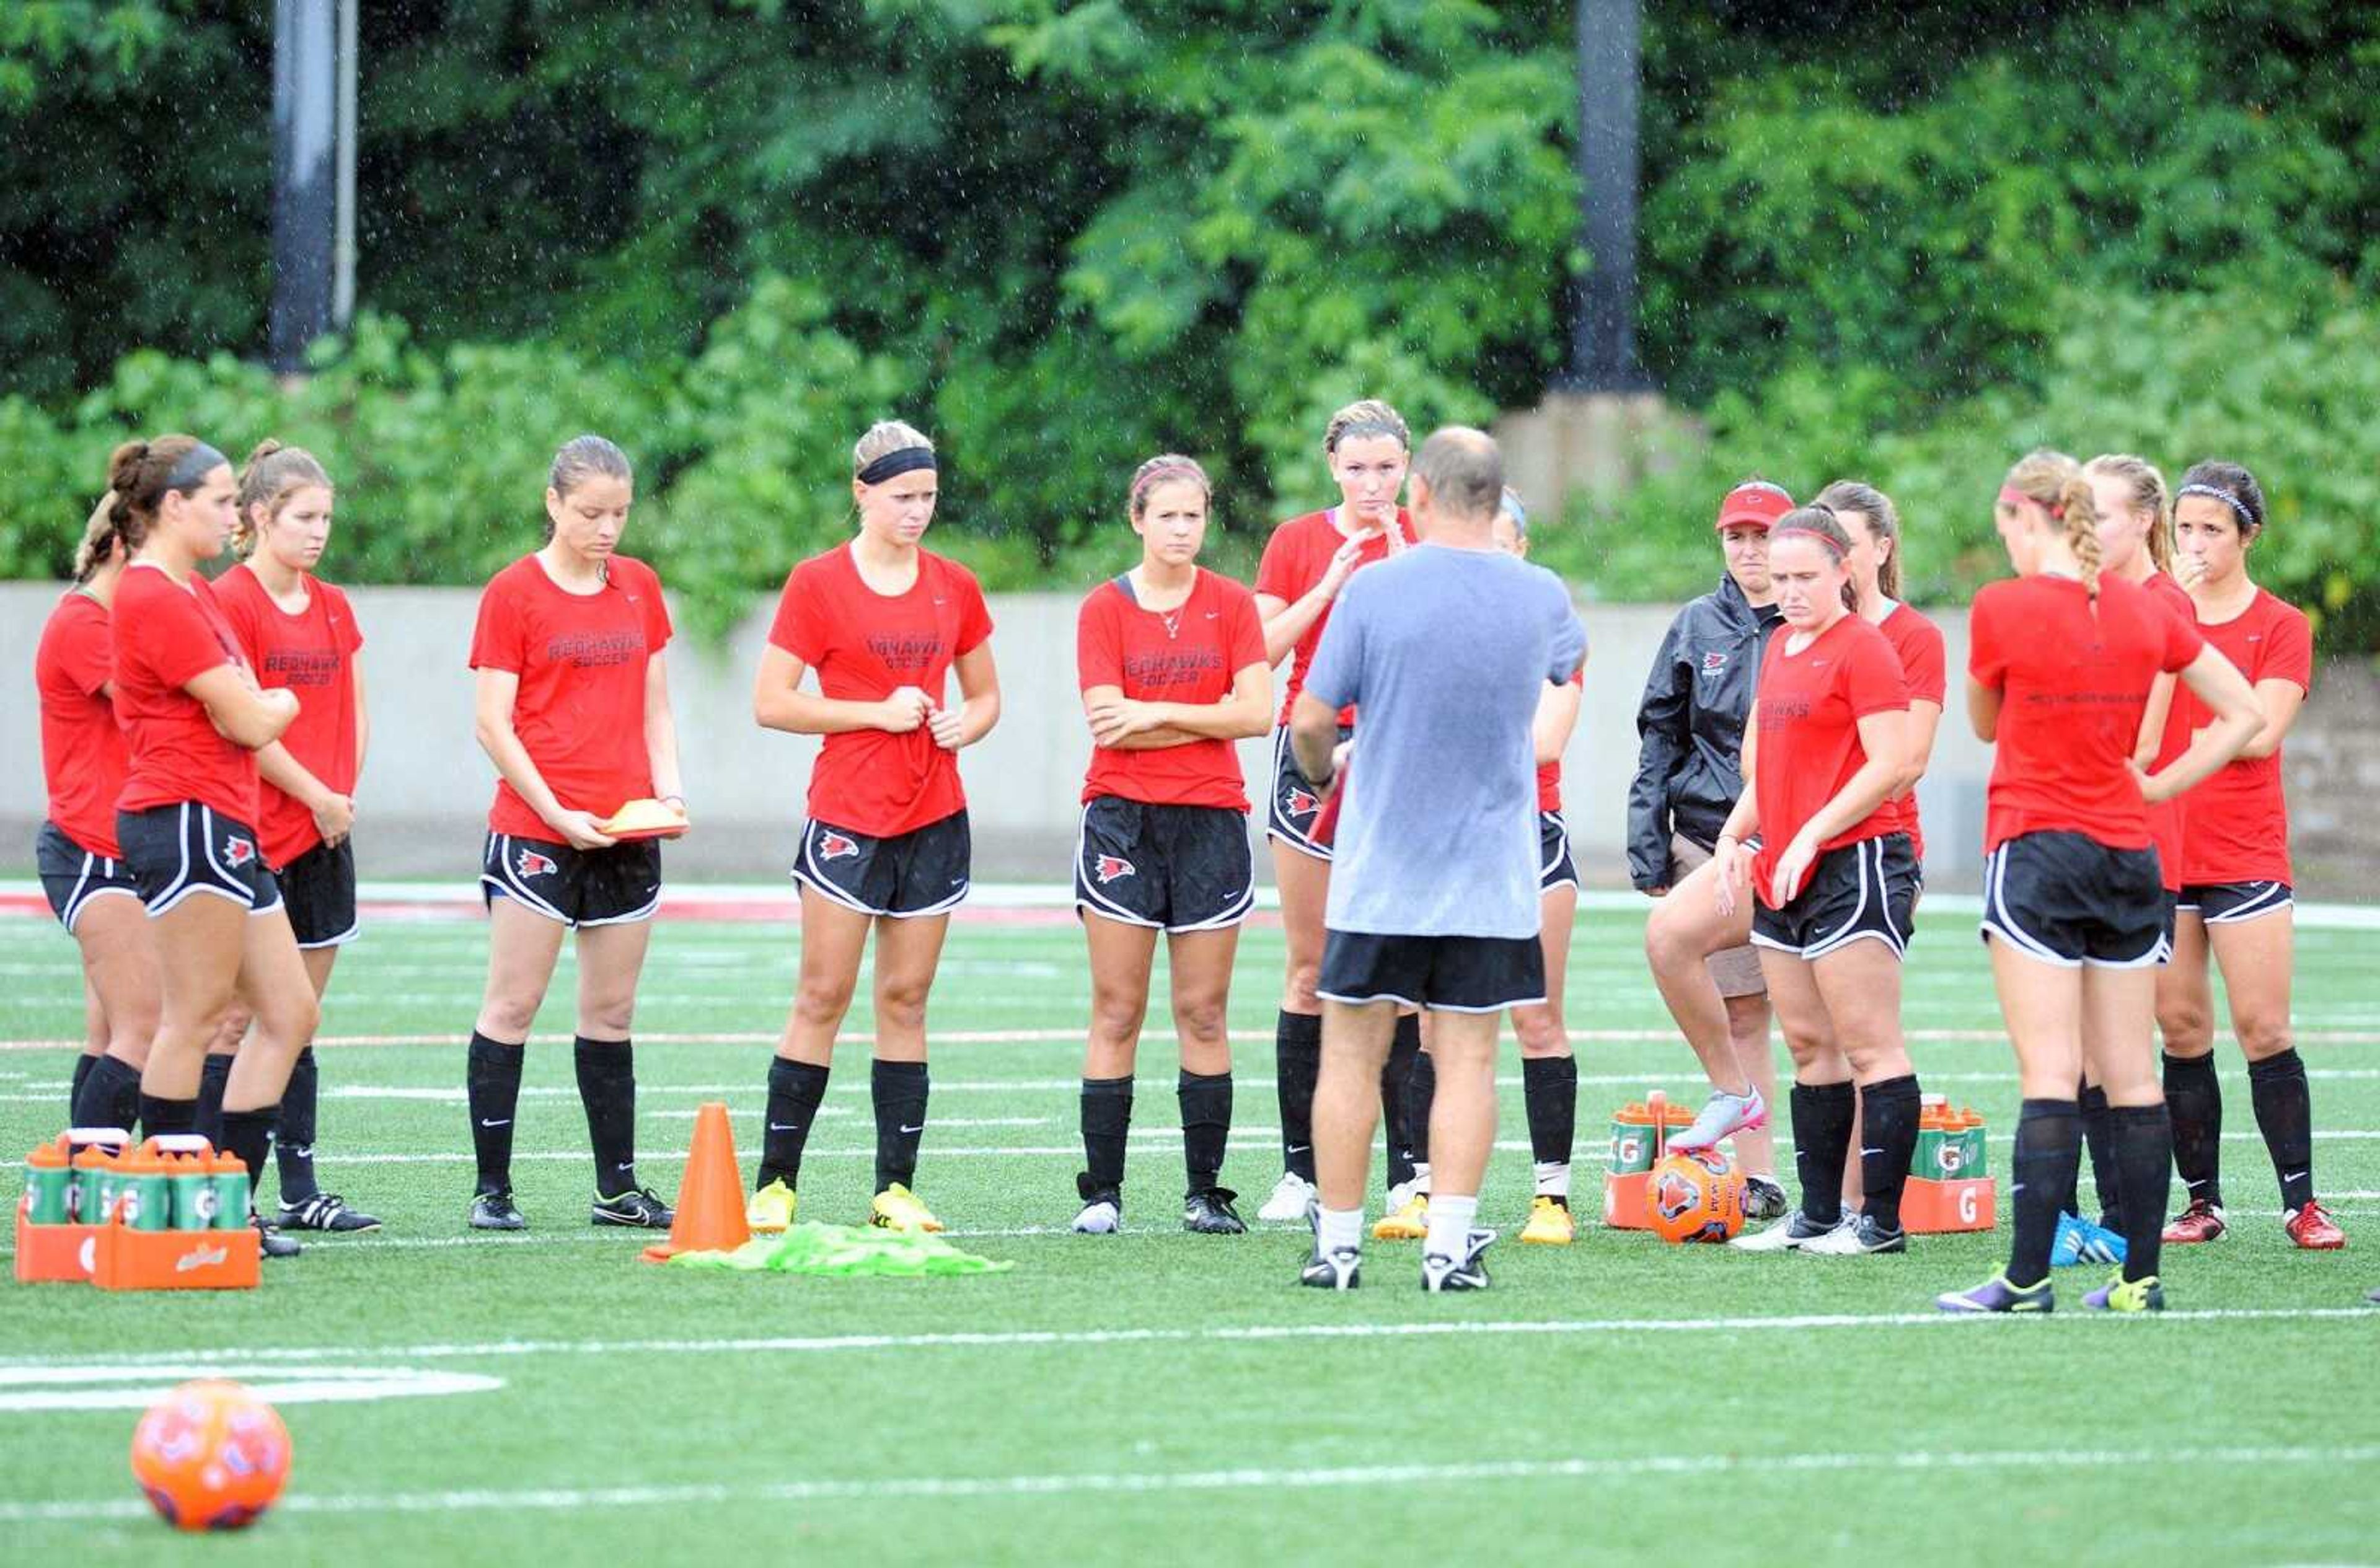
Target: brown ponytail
<point>99,543</point>
<point>2057,484</point>
<point>141,474</point>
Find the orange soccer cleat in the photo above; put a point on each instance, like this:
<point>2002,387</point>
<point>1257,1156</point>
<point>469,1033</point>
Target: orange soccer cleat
<point>2313,1229</point>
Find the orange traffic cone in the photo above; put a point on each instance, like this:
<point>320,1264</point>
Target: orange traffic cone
<point>711,1199</point>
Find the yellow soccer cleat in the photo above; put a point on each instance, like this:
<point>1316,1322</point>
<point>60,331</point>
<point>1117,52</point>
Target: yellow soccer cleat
<point>770,1213</point>
<point>897,1209</point>
<point>1410,1223</point>
<point>1550,1222</point>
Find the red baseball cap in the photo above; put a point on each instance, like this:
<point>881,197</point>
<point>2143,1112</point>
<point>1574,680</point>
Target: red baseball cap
<point>1756,502</point>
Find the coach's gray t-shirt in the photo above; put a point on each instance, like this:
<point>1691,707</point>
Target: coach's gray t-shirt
<point>1445,652</point>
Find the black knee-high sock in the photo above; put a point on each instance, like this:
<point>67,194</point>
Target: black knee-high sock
<point>492,1075</point>
<point>2285,1115</point>
<point>1396,1108</point>
<point>1205,1101</point>
<point>1297,1062</point>
<point>248,1134</point>
<point>1421,1096</point>
<point>899,1090</point>
<point>159,1117</point>
<point>109,1095</point>
<point>2142,1136</point>
<point>1822,1142</point>
<point>607,1087</point>
<point>293,1141</point>
<point>2194,1099</point>
<point>83,1065</point>
<point>794,1091</point>
<point>1887,1139</point>
<point>2098,1138</point>
<point>1107,1122</point>
<point>214,1076</point>
<point>2049,1153</point>
<point>1550,1090</point>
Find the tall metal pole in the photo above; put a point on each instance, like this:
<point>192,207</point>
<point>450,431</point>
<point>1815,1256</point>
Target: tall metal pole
<point>1603,323</point>
<point>343,285</point>
<point>304,204</point>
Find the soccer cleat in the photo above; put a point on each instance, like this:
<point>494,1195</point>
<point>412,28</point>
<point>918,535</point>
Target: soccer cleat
<point>1409,1222</point>
<point>1721,1115</point>
<point>1995,1295</point>
<point>325,1211</point>
<point>1102,1213</point>
<point>2313,1229</point>
<point>1857,1238</point>
<point>1208,1212</point>
<point>638,1208</point>
<point>1290,1197</point>
<point>897,1209</point>
<point>770,1210</point>
<point>2066,1246</point>
<point>2201,1221</point>
<point>1439,1272</point>
<point>270,1242</point>
<point>495,1211</point>
<point>1763,1200</point>
<point>2120,1294</point>
<point>1550,1222</point>
<point>1340,1269</point>
<point>1792,1233</point>
<point>2104,1245</point>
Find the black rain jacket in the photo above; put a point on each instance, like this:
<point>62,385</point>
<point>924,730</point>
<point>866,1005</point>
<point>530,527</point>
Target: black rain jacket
<point>1690,727</point>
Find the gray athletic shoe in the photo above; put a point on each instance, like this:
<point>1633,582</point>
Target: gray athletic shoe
<point>1722,1114</point>
<point>1789,1235</point>
<point>1858,1239</point>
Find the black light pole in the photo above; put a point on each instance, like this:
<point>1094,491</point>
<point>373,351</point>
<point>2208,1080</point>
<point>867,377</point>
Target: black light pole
<point>1603,321</point>
<point>305,185</point>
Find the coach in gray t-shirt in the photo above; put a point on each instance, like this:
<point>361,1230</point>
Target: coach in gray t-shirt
<point>1434,900</point>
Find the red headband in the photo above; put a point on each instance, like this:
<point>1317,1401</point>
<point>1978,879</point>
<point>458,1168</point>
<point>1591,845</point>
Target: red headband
<point>2010,495</point>
<point>1833,548</point>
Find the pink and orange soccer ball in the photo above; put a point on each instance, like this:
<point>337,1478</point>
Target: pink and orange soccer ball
<point>1695,1195</point>
<point>210,1456</point>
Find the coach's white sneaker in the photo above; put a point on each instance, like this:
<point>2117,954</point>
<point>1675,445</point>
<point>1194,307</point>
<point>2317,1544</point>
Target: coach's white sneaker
<point>1789,1235</point>
<point>1290,1197</point>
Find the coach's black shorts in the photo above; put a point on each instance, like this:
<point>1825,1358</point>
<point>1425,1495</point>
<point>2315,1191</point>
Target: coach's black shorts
<point>190,847</point>
<point>614,886</point>
<point>2223,904</point>
<point>1867,889</point>
<point>1292,807</point>
<point>1554,867</point>
<point>1446,974</point>
<point>73,876</point>
<point>319,888</point>
<point>924,871</point>
<point>2069,900</point>
<point>1178,868</point>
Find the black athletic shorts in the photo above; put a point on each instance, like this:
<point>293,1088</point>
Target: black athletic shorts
<point>1292,807</point>
<point>1554,867</point>
<point>190,847</point>
<point>614,886</point>
<point>2223,904</point>
<point>319,888</point>
<point>1867,889</point>
<point>924,871</point>
<point>1178,868</point>
<point>2069,900</point>
<point>72,876</point>
<point>1445,974</point>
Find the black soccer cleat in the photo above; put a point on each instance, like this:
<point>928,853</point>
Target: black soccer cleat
<point>1439,1272</point>
<point>496,1211</point>
<point>325,1211</point>
<point>270,1242</point>
<point>1208,1212</point>
<point>638,1208</point>
<point>1340,1269</point>
<point>1764,1200</point>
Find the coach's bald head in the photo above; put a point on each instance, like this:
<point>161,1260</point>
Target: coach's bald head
<point>1458,482</point>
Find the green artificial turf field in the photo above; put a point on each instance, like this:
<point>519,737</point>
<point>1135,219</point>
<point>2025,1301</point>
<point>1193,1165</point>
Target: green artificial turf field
<point>1169,1397</point>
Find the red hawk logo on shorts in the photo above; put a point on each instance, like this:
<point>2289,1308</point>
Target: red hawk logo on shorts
<point>1301,804</point>
<point>834,846</point>
<point>238,852</point>
<point>1107,867</point>
<point>532,863</point>
<point>1714,662</point>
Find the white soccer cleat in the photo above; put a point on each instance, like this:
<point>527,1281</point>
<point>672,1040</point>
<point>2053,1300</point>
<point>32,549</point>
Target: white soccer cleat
<point>1101,1217</point>
<point>1789,1235</point>
<point>1290,1197</point>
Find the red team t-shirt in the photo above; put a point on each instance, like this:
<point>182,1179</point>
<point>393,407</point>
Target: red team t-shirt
<point>306,653</point>
<point>865,646</point>
<point>82,749</point>
<point>1550,773</point>
<point>1191,655</point>
<point>1295,559</point>
<point>167,635</point>
<point>2074,679</point>
<point>2165,816</point>
<point>1918,641</point>
<point>1808,708</point>
<point>2236,826</point>
<point>580,710</point>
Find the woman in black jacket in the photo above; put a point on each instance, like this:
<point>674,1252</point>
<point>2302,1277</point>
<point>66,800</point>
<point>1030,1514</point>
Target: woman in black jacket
<point>1691,728</point>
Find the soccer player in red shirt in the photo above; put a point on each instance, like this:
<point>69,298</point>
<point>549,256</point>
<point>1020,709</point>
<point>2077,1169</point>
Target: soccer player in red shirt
<point>573,708</point>
<point>90,889</point>
<point>193,719</point>
<point>1171,661</point>
<point>2235,874</point>
<point>1306,561</point>
<point>1834,882</point>
<point>885,624</point>
<point>2060,664</point>
<point>299,632</point>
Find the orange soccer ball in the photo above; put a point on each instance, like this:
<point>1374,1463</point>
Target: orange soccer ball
<point>1695,1195</point>
<point>210,1456</point>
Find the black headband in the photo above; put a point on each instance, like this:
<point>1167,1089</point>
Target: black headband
<point>197,464</point>
<point>903,460</point>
